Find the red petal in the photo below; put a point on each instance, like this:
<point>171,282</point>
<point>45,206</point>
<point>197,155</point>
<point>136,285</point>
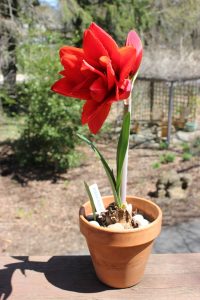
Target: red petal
<point>93,48</point>
<point>125,89</point>
<point>81,85</point>
<point>98,117</point>
<point>127,62</point>
<point>121,92</point>
<point>108,42</point>
<point>65,87</point>
<point>89,70</point>
<point>78,52</point>
<point>88,109</point>
<point>126,85</point>
<point>95,114</point>
<point>120,95</point>
<point>98,89</point>
<point>74,76</point>
<point>105,61</point>
<point>70,61</point>
<point>71,58</point>
<point>134,41</point>
<point>124,95</point>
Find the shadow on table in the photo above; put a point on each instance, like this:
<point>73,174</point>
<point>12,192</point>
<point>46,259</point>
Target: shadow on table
<point>74,273</point>
<point>71,273</point>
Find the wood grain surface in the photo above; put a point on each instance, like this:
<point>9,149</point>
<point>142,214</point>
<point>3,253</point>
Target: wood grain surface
<point>167,276</point>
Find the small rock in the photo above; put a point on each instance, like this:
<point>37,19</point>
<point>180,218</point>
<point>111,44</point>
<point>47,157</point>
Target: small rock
<point>161,193</point>
<point>118,129</point>
<point>160,186</point>
<point>140,221</point>
<point>144,223</point>
<point>177,193</point>
<point>137,138</point>
<point>137,219</point>
<point>116,226</point>
<point>171,178</point>
<point>94,223</point>
<point>183,136</point>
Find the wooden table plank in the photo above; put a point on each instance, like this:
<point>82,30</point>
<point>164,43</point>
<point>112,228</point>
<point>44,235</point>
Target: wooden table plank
<point>167,276</point>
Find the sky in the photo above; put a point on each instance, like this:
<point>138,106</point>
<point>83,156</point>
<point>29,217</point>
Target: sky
<point>50,2</point>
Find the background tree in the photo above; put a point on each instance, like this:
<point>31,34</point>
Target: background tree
<point>118,17</point>
<point>177,24</point>
<point>8,15</point>
<point>30,37</point>
<point>11,23</point>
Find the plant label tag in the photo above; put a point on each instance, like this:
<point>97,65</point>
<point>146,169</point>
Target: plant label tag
<point>94,190</point>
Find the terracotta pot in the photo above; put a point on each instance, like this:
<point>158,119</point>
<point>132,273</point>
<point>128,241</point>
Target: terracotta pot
<point>119,257</point>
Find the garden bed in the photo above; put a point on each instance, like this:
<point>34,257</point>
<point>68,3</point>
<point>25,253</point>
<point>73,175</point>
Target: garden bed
<point>39,212</point>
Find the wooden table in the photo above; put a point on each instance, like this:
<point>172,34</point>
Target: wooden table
<point>167,276</point>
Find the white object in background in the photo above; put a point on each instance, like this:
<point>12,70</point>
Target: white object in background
<point>98,202</point>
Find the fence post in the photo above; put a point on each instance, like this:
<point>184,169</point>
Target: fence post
<point>151,99</point>
<point>170,112</point>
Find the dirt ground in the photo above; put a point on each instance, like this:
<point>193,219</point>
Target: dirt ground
<point>41,216</point>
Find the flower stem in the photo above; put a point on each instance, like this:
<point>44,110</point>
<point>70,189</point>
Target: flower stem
<point>127,108</point>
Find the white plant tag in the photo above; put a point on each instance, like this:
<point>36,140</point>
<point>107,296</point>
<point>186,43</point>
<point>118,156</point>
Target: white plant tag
<point>94,190</point>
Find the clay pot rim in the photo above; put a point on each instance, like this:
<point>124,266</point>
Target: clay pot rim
<point>125,231</point>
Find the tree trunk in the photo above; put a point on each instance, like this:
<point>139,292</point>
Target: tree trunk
<point>8,11</point>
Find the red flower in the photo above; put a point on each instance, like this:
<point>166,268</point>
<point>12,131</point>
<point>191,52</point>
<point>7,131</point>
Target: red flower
<point>98,73</point>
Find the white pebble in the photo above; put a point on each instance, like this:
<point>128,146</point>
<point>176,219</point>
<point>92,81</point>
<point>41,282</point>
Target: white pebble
<point>145,222</point>
<point>137,218</point>
<point>116,226</point>
<point>140,221</point>
<point>94,223</point>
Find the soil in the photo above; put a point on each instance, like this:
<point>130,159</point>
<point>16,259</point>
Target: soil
<point>39,212</point>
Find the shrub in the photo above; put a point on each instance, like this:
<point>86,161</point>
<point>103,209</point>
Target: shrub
<point>163,145</point>
<point>7,101</point>
<point>186,147</point>
<point>196,143</point>
<point>48,136</point>
<point>167,158</point>
<point>186,156</point>
<point>156,165</point>
<point>51,121</point>
<point>196,146</point>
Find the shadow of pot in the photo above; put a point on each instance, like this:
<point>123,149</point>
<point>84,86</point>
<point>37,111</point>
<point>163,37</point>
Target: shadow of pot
<point>120,257</point>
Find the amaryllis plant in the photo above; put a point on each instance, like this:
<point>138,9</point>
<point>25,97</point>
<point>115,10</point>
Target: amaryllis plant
<point>101,73</point>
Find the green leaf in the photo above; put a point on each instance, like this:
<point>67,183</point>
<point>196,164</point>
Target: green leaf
<point>109,172</point>
<point>122,148</point>
<point>91,200</point>
<point>113,186</point>
<point>104,162</point>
